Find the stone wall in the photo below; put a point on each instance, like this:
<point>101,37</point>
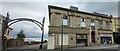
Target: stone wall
<point>15,43</point>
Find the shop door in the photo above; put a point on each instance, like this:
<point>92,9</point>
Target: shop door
<point>103,40</point>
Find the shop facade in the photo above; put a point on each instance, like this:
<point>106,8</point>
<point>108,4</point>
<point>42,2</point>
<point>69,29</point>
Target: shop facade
<point>106,38</point>
<point>81,40</point>
<point>79,28</point>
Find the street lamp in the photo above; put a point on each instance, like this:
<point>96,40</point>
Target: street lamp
<point>62,34</point>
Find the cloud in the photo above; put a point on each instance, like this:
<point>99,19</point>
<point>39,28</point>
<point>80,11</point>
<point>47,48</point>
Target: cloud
<point>101,7</point>
<point>61,0</point>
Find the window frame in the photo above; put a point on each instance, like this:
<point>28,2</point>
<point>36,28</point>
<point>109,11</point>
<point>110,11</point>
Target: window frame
<point>64,18</point>
<point>83,20</point>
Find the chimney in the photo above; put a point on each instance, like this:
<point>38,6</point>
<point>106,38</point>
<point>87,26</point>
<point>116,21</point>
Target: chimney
<point>74,8</point>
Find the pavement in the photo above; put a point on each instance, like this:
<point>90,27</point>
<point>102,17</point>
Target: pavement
<point>98,47</point>
<point>90,48</point>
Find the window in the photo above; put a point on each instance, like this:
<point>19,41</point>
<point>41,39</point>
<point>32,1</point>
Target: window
<point>107,25</point>
<point>100,25</point>
<point>8,32</point>
<point>65,21</point>
<point>92,24</point>
<point>65,39</point>
<point>83,22</point>
<point>81,36</point>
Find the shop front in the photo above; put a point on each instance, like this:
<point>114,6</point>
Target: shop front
<point>81,40</point>
<point>116,36</point>
<point>106,38</point>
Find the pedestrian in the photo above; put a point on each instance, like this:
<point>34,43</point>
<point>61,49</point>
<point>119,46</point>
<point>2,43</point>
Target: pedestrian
<point>110,42</point>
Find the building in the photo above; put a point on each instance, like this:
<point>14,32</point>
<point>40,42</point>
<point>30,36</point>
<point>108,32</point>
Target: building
<point>79,28</point>
<point>1,31</point>
<point>7,34</point>
<point>116,30</point>
<point>8,31</point>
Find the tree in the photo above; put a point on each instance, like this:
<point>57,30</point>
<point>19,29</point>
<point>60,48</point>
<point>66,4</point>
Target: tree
<point>21,35</point>
<point>45,41</point>
<point>118,29</point>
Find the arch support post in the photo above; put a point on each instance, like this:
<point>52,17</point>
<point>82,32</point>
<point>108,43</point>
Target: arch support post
<point>42,33</point>
<point>4,28</point>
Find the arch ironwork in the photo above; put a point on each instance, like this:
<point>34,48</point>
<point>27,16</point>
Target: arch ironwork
<point>25,19</point>
<point>8,22</point>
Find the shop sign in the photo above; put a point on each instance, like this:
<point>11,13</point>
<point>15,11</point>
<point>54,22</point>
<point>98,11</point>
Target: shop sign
<point>106,35</point>
<point>81,36</point>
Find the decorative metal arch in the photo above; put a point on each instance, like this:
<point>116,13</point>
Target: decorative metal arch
<point>25,19</point>
<point>8,22</point>
<point>31,20</point>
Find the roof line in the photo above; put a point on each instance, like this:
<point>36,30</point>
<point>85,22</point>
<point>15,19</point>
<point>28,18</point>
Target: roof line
<point>56,7</point>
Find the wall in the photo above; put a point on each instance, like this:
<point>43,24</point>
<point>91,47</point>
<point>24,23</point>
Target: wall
<point>72,40</point>
<point>15,43</point>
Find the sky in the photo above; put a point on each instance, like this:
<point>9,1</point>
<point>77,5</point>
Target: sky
<point>38,10</point>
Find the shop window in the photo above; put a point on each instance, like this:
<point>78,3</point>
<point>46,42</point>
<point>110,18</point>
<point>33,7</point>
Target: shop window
<point>65,39</point>
<point>81,36</point>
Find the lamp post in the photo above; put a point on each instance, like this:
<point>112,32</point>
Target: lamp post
<point>62,34</point>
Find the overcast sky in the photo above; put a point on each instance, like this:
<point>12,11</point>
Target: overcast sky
<point>38,10</point>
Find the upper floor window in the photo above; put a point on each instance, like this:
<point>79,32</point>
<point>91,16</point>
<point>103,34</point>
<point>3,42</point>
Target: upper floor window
<point>83,22</point>
<point>65,21</point>
<point>107,25</point>
<point>92,24</point>
<point>100,24</point>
